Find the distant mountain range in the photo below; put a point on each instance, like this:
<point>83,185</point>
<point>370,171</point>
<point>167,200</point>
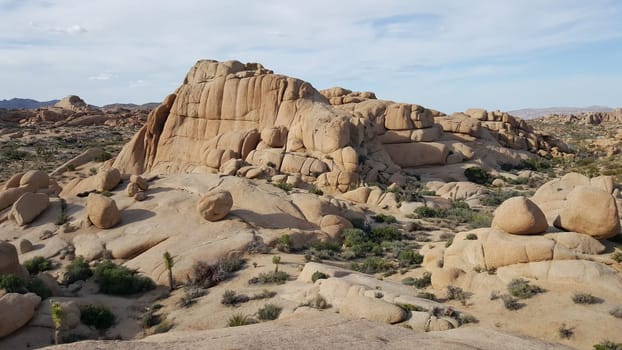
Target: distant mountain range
<point>26,103</point>
<point>530,113</point>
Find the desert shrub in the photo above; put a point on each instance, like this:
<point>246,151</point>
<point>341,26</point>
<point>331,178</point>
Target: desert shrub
<point>427,212</point>
<point>12,284</point>
<point>92,171</point>
<point>97,316</point>
<point>511,303</point>
<point>536,164</point>
<point>521,289</point>
<point>325,246</point>
<point>119,280</point>
<point>316,191</point>
<point>585,298</point>
<point>361,224</point>
<point>150,318</point>
<point>36,285</point>
<point>230,297</point>
<point>317,275</point>
<point>471,237</point>
<point>467,318</point>
<point>409,281</point>
<point>61,219</point>
<point>265,294</point>
<point>608,345</point>
<point>283,244</point>
<point>373,265</point>
<point>269,312</point>
<point>449,242</point>
<point>238,320</point>
<point>352,236</point>
<point>69,338</point>
<point>617,256</point>
<point>387,219</point>
<point>318,302</point>
<point>411,308</point>
<point>385,233</point>
<point>277,277</point>
<point>37,264</point>
<point>409,257</point>
<point>284,186</point>
<point>206,275</point>
<point>457,293</point>
<point>493,199</point>
<point>477,175</point>
<point>616,312</point>
<point>163,327</point>
<point>423,281</point>
<point>426,295</point>
<point>77,270</point>
<point>191,293</point>
<point>565,332</point>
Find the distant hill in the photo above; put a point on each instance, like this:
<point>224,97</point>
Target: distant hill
<point>530,113</point>
<point>25,103</point>
<point>151,105</point>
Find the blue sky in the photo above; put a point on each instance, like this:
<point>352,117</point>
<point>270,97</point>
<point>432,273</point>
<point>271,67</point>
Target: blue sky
<point>447,55</point>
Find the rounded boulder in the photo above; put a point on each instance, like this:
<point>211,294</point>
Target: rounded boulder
<point>590,211</point>
<point>102,211</point>
<point>520,216</point>
<point>215,205</point>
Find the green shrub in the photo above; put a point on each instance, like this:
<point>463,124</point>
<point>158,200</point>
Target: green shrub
<point>360,223</point>
<point>409,281</point>
<point>284,186</point>
<point>37,264</point>
<point>36,285</point>
<point>373,265</point>
<point>471,237</point>
<point>230,297</point>
<point>77,270</point>
<point>565,332</point>
<point>493,199</point>
<point>102,156</point>
<point>511,303</point>
<point>423,281</point>
<point>426,295</point>
<point>12,284</point>
<point>521,289</point>
<point>278,277</point>
<point>608,345</point>
<point>191,293</point>
<point>97,316</point>
<point>411,307</point>
<point>283,244</point>
<point>352,236</point>
<point>409,257</point>
<point>477,175</point>
<point>119,280</point>
<point>617,256</point>
<point>457,293</point>
<point>238,320</point>
<point>61,219</point>
<point>585,298</point>
<point>269,312</point>
<point>163,327</point>
<point>385,233</point>
<point>265,294</point>
<point>427,212</point>
<point>206,275</point>
<point>317,275</point>
<point>387,219</point>
<point>316,191</point>
<point>330,246</point>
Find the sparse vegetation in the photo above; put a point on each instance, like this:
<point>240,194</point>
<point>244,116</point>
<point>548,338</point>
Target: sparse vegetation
<point>316,191</point>
<point>510,302</point>
<point>191,293</point>
<point>565,332</point>
<point>37,264</point>
<point>119,280</point>
<point>478,175</point>
<point>494,199</point>
<point>387,219</point>
<point>318,275</point>
<point>616,312</point>
<point>278,277</point>
<point>168,263</point>
<point>206,275</point>
<point>471,237</point>
<point>77,270</point>
<point>426,295</point>
<point>35,285</point>
<point>269,312</point>
<point>283,244</point>
<point>12,284</point>
<point>238,320</point>
<point>373,265</point>
<point>230,297</point>
<point>97,316</point>
<point>318,302</point>
<point>58,317</point>
<point>521,289</point>
<point>608,345</point>
<point>284,186</point>
<point>457,293</point>
<point>617,256</point>
<point>585,298</point>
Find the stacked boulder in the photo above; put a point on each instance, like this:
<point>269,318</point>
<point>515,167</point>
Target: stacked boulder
<point>27,195</point>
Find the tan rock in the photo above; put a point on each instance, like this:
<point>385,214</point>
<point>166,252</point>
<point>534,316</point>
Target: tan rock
<point>88,246</point>
<point>37,178</point>
<point>25,246</point>
<point>604,182</point>
<point>409,155</point>
<point>9,261</point>
<point>371,309</point>
<point>590,211</point>
<point>333,225</point>
<point>519,216</point>
<point>132,189</point>
<point>13,181</point>
<point>17,310</point>
<point>140,181</point>
<point>28,207</point>
<point>215,206</point>
<point>9,196</point>
<point>102,211</point>
<point>108,179</point>
<point>358,195</point>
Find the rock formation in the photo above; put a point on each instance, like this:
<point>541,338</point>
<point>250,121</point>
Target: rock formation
<point>232,112</point>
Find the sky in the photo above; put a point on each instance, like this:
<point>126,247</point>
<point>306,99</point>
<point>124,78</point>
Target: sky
<point>448,55</point>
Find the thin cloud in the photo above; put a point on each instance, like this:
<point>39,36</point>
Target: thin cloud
<point>74,29</point>
<point>102,76</point>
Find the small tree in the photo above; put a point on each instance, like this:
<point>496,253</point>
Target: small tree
<point>276,260</point>
<point>58,316</point>
<point>168,262</point>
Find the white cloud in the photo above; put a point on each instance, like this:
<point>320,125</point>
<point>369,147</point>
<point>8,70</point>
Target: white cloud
<point>325,42</point>
<point>102,76</point>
